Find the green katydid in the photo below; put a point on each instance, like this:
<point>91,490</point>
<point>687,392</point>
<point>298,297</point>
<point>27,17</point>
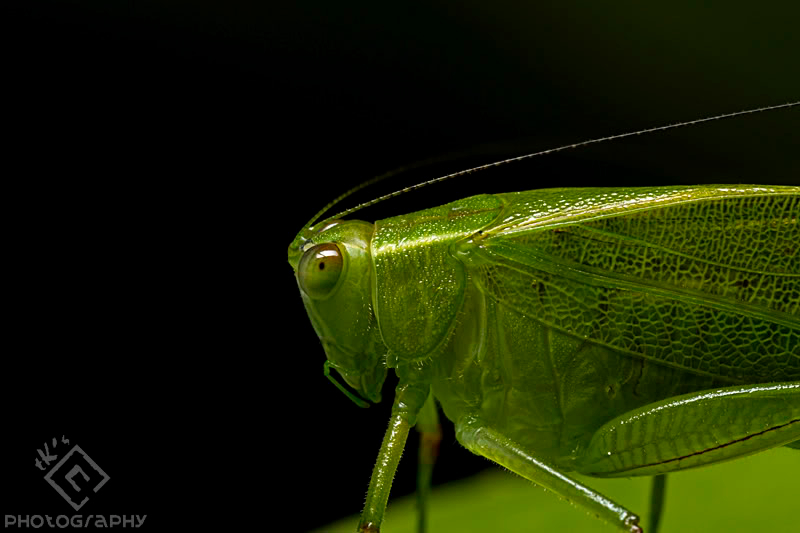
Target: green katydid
<point>610,332</point>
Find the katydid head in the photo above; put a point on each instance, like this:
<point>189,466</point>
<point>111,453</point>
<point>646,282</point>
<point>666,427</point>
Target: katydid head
<point>334,272</point>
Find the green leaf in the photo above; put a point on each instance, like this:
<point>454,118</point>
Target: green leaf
<point>757,493</point>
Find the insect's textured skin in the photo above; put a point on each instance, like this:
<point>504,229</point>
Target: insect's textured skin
<point>673,283</point>
<point>551,316</point>
<point>584,290</point>
<point>419,284</point>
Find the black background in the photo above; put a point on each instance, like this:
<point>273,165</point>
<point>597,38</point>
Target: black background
<point>160,156</point>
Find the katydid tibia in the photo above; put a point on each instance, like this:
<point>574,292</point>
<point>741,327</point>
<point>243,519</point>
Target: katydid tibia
<point>609,332</point>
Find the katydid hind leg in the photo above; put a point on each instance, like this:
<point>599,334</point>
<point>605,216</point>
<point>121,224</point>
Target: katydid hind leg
<point>483,440</point>
<point>658,494</point>
<point>696,429</point>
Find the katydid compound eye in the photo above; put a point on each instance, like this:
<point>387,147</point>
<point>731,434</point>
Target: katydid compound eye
<point>319,270</point>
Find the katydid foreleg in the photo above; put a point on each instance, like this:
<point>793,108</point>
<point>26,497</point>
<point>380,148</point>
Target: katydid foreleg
<point>409,400</point>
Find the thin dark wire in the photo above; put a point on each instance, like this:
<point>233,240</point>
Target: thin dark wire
<point>516,159</point>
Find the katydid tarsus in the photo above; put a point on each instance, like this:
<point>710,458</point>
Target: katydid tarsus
<point>605,331</point>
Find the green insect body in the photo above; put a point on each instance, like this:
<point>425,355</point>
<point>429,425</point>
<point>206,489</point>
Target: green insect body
<point>609,332</point>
